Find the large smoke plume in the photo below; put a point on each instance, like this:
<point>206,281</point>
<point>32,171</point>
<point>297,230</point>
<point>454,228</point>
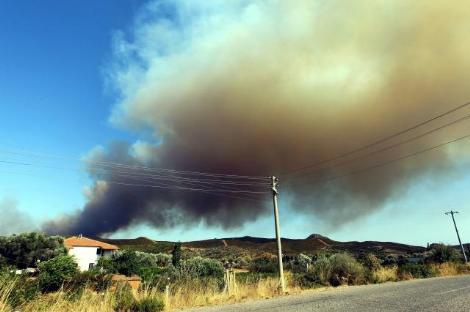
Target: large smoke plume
<point>261,87</point>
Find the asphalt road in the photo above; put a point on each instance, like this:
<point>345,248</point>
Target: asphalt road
<point>434,294</point>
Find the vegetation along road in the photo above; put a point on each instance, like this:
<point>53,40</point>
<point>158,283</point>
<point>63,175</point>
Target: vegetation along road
<point>434,294</point>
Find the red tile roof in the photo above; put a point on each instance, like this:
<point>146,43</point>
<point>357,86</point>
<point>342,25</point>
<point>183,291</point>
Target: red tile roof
<point>81,241</point>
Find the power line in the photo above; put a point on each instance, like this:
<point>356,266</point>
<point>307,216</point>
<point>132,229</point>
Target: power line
<point>393,160</point>
<point>140,167</point>
<point>214,191</point>
<point>221,184</point>
<point>354,151</point>
<point>351,160</point>
<point>178,178</point>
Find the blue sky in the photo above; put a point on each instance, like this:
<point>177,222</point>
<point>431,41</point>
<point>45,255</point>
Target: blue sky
<point>54,99</point>
<point>52,92</point>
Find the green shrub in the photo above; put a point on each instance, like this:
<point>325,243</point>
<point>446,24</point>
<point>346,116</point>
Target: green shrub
<point>25,250</point>
<point>338,269</point>
<point>441,253</point>
<point>126,262</point>
<point>152,276</point>
<point>305,280</point>
<point>202,267</point>
<point>91,279</point>
<point>124,299</point>
<point>371,262</point>
<point>417,270</point>
<point>150,304</point>
<point>263,265</point>
<point>55,272</point>
<point>130,262</point>
<point>126,302</point>
<point>322,270</point>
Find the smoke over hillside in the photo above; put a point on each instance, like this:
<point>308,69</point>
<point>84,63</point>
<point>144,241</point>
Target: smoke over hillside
<point>263,87</point>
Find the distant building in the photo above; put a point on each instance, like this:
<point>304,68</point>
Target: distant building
<point>87,251</point>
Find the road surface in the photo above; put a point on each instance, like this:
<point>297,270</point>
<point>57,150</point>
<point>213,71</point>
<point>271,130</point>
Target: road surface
<point>434,294</point>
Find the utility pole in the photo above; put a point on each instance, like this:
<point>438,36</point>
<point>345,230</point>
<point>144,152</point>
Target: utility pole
<point>457,231</point>
<point>278,233</point>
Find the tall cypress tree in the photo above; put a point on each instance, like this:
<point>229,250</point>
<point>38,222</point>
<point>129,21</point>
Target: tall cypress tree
<point>176,254</point>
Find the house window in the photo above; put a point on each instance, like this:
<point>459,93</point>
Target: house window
<point>99,251</point>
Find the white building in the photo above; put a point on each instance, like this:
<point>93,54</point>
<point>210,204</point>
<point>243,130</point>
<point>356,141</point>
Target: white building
<point>87,251</point>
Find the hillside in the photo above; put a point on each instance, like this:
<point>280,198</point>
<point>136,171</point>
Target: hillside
<point>254,246</point>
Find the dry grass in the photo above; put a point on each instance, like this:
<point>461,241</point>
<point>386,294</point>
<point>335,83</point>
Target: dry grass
<point>451,268</point>
<point>201,294</point>
<point>5,290</point>
<point>58,302</point>
<point>386,274</point>
<point>196,293</point>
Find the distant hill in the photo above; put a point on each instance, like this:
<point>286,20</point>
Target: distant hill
<point>256,245</point>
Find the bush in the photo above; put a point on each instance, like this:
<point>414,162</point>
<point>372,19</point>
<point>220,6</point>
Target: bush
<point>338,269</point>
<point>371,262</point>
<point>150,304</point>
<point>305,280</point>
<point>91,279</point>
<point>322,270</point>
<point>25,250</point>
<point>152,276</point>
<point>130,262</point>
<point>263,265</point>
<point>416,271</point>
<point>125,300</point>
<point>202,267</point>
<point>126,262</point>
<point>441,253</point>
<point>55,272</point>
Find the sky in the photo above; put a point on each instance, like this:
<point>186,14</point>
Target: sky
<point>75,76</point>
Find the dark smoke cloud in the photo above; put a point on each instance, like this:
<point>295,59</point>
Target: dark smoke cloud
<point>261,87</point>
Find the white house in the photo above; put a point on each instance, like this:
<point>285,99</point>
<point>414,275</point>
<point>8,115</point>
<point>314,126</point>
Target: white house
<point>87,251</point>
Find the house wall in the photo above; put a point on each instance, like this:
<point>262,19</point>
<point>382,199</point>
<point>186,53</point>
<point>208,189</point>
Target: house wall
<point>84,256</point>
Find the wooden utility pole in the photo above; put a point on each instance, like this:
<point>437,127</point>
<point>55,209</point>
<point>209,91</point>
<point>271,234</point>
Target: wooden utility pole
<point>278,234</point>
<point>457,231</point>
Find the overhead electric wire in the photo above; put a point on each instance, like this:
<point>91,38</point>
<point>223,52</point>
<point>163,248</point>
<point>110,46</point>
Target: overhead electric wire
<point>191,184</point>
<point>206,192</point>
<point>187,188</point>
<point>222,184</point>
<point>139,167</point>
<point>359,171</point>
<point>180,179</point>
<point>181,172</point>
<point>351,160</point>
<point>379,141</point>
<point>12,162</point>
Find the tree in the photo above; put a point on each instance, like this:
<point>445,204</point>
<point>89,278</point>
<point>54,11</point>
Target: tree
<point>55,272</point>
<point>176,254</point>
<point>25,250</point>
